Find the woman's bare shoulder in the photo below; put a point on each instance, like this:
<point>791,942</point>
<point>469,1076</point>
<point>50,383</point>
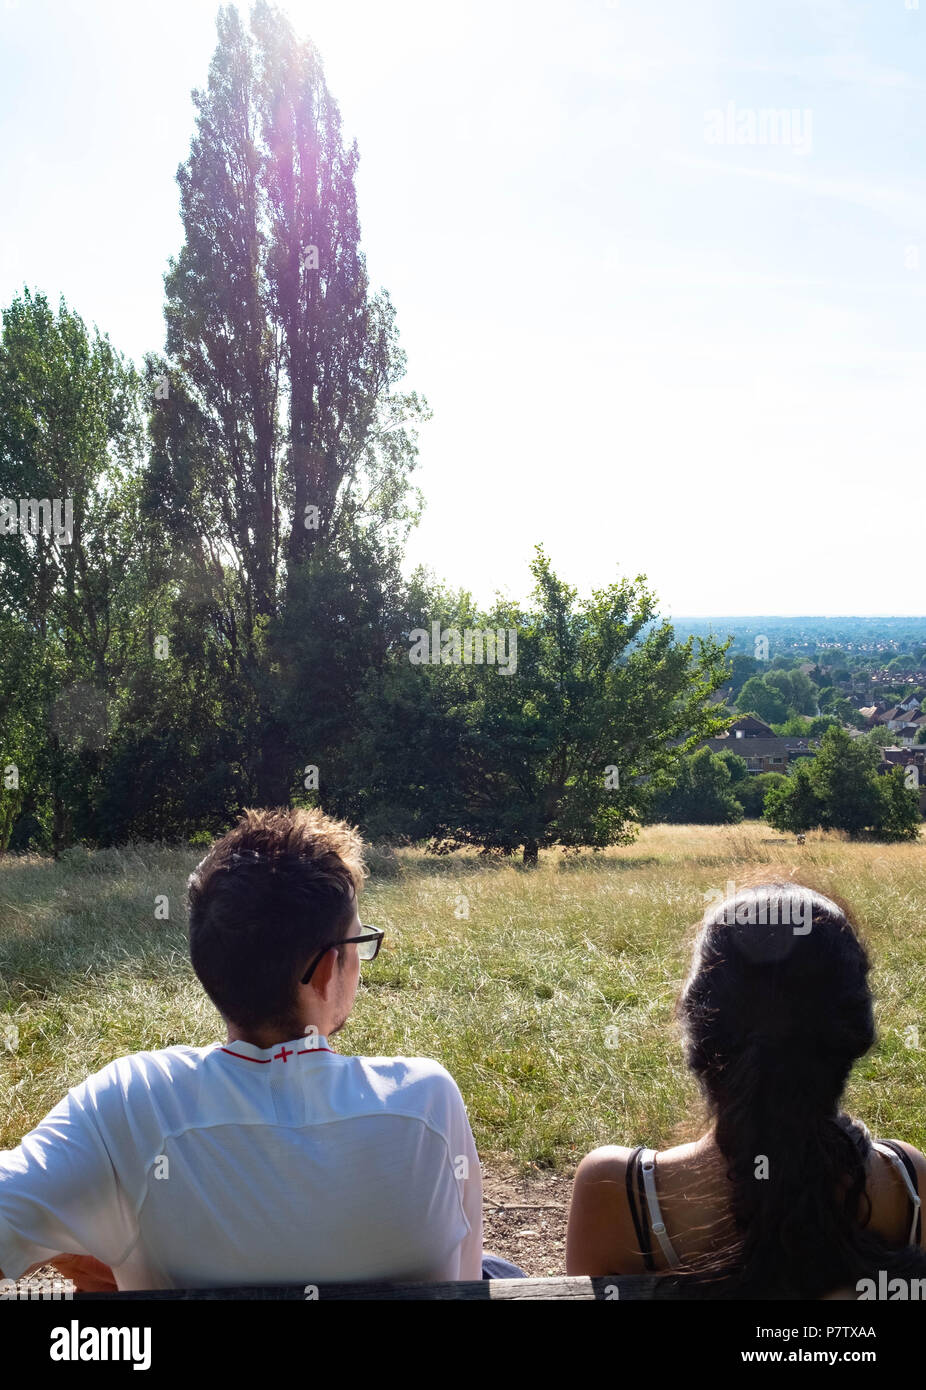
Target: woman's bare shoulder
<point>600,1227</point>
<point>606,1164</point>
<point>918,1159</point>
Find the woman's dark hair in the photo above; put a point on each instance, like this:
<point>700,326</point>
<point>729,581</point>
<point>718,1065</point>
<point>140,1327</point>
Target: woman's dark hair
<point>775,1011</point>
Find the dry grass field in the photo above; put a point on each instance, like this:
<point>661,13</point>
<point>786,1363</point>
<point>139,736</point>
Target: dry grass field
<point>547,993</point>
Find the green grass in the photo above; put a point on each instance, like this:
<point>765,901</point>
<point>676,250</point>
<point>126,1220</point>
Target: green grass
<point>551,1003</point>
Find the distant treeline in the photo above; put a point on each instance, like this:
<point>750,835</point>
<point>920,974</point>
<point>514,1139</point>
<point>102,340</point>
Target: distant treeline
<point>854,639</point>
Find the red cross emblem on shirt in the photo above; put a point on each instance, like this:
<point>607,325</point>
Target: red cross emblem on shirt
<point>284,1052</point>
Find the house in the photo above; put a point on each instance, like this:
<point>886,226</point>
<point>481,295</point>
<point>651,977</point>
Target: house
<point>757,743</point>
<point>763,754</point>
<point>904,720</point>
<point>899,714</point>
<point>884,676</point>
<point>749,726</point>
<point>906,732</point>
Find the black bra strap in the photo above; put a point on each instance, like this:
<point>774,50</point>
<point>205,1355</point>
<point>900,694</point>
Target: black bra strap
<point>908,1163</point>
<point>640,1226</point>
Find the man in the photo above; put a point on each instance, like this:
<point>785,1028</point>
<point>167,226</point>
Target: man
<point>272,1159</point>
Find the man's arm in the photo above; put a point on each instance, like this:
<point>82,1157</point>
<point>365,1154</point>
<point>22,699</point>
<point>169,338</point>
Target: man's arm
<point>85,1273</point>
<point>60,1198</point>
<point>468,1174</point>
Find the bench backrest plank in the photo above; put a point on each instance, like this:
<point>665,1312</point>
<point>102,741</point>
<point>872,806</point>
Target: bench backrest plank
<point>568,1288</point>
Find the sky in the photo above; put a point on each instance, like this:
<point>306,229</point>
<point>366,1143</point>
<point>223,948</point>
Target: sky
<point>658,268</point>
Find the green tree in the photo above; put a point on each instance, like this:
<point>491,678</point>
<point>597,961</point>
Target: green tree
<point>737,767</point>
<point>343,626</point>
<point>899,813</point>
<point>797,726</point>
<point>752,793</point>
<point>793,804</point>
<point>758,697</point>
<point>803,693</point>
<point>282,431</point>
<point>703,793</point>
<point>846,712</point>
<point>568,748</point>
<point>74,601</point>
<point>795,689</point>
<point>819,726</point>
<point>742,667</point>
<point>844,775</point>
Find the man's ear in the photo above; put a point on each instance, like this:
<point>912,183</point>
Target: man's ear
<point>324,972</point>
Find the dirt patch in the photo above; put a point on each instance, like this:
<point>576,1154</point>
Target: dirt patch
<point>524,1219</point>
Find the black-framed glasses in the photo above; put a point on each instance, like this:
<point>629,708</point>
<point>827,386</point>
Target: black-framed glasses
<point>367,947</point>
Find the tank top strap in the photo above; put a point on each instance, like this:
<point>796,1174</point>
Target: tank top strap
<point>648,1171</point>
<point>638,1209</point>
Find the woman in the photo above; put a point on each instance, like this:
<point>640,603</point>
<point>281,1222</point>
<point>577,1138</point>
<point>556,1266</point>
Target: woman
<point>783,1196</point>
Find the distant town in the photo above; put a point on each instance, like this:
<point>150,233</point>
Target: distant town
<point>795,678</point>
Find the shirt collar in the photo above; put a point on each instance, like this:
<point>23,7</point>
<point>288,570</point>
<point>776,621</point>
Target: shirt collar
<point>281,1054</point>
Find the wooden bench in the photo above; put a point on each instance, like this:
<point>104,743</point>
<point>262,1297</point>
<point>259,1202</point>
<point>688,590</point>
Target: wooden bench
<point>562,1289</point>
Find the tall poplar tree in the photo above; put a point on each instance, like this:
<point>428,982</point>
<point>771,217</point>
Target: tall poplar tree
<point>280,429</point>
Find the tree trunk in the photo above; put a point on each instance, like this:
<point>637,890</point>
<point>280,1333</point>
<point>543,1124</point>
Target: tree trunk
<point>61,830</point>
<point>275,768</point>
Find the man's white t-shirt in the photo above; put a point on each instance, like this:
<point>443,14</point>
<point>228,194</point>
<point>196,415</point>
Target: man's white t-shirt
<point>212,1166</point>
